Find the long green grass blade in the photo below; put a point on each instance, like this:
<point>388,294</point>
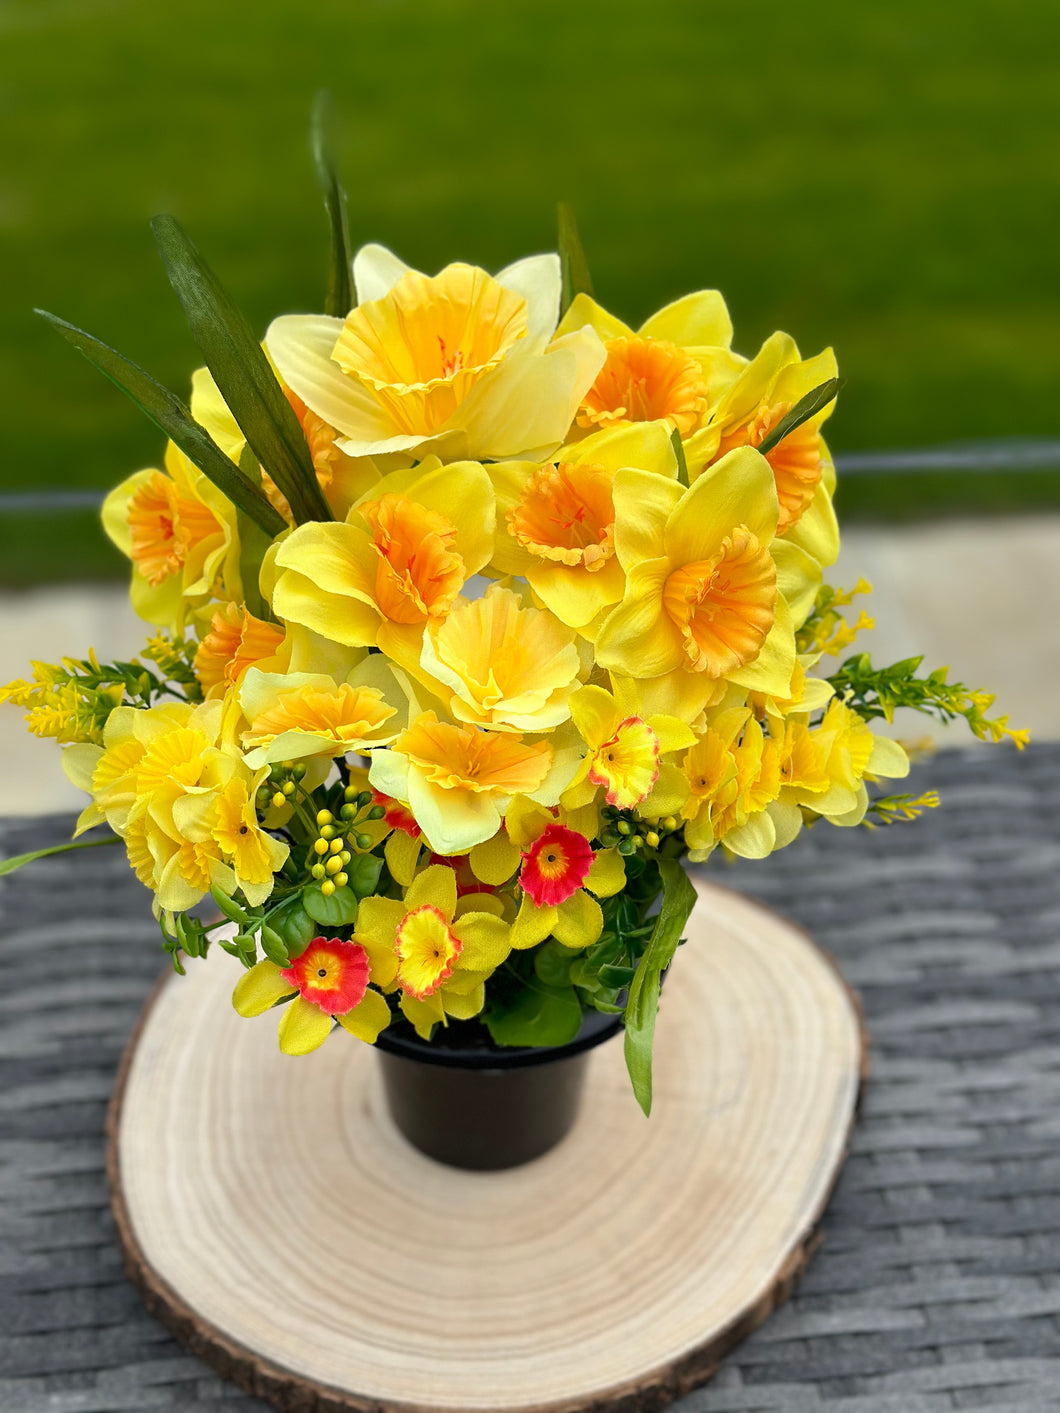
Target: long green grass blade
<point>677,902</point>
<point>9,865</point>
<point>340,285</point>
<point>241,372</point>
<point>815,401</point>
<point>170,415</point>
<point>573,264</point>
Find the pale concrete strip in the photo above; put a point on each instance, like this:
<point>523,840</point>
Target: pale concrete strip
<point>982,596</point>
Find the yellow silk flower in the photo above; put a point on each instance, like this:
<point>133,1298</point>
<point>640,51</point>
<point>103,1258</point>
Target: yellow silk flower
<point>556,522</point>
<point>459,364</point>
<point>709,590</point>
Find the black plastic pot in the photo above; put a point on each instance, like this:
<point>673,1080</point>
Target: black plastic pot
<point>464,1102</point>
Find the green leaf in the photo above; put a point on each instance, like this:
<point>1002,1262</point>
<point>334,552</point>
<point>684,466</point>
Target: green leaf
<point>339,910</point>
<point>242,373</point>
<point>295,927</point>
<point>552,963</point>
<point>539,1015</point>
<point>170,415</point>
<point>679,452</point>
<point>231,909</point>
<point>340,287</point>
<point>815,401</point>
<point>9,865</point>
<point>678,899</point>
<point>274,947</point>
<point>363,873</point>
<point>574,267</point>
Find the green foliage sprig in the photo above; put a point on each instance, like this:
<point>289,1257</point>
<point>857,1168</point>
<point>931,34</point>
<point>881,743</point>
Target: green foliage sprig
<point>875,692</point>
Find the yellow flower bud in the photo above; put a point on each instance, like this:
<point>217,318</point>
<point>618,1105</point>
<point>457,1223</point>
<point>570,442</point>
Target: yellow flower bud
<point>321,846</point>
<point>324,816</point>
<point>333,865</point>
<point>327,888</point>
<point>278,800</point>
<point>341,879</point>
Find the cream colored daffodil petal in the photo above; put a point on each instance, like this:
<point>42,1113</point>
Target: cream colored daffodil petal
<point>303,1027</point>
<point>579,921</point>
<point>697,319</point>
<point>485,941</point>
<point>787,822</point>
<point>258,989</point>
<point>389,774</point>
<point>755,839</point>
<point>532,924</point>
<point>368,1019</point>
<point>524,406</point>
<point>607,876</point>
<point>644,503</point>
<point>79,762</point>
<point>584,311</point>
<point>454,821</point>
<point>538,279</point>
<point>89,818</point>
<point>888,759</point>
<point>435,887</point>
<point>737,490</point>
<point>301,346</point>
<point>494,861</point>
<point>798,579</point>
<point>376,270</point>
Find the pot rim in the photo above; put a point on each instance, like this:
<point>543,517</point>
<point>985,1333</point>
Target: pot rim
<point>597,1026</point>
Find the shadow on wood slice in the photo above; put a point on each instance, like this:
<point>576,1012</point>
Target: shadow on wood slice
<point>278,1224</point>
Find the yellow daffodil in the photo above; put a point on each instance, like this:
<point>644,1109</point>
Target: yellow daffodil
<point>297,714</point>
<point>180,533</point>
<point>498,663</point>
<point>235,641</point>
<point>672,370</point>
<point>733,773</point>
<point>398,562</point>
<point>556,522</point>
<point>459,364</point>
<point>765,392</point>
<point>329,982</point>
<point>458,780</point>
<point>343,479</point>
<point>708,588</point>
<point>444,948</point>
<point>625,752</point>
<point>823,768</point>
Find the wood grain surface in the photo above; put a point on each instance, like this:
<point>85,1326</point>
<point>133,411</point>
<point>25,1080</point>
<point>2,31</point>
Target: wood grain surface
<point>277,1222</point>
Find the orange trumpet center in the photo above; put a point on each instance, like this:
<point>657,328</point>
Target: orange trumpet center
<point>645,380</point>
<point>724,606</point>
<point>796,461</point>
<point>418,572</point>
<point>567,515</point>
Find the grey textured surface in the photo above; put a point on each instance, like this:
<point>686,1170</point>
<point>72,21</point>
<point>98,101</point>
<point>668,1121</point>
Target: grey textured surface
<point>938,1284</point>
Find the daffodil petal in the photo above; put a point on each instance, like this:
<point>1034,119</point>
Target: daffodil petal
<point>579,921</point>
<point>402,854</point>
<point>259,989</point>
<point>303,1027</point>
<point>301,346</point>
<point>435,887</point>
<point>607,876</point>
<point>368,1019</point>
<point>494,861</point>
<point>376,270</point>
<point>532,924</point>
<point>464,1007</point>
<point>486,941</point>
<point>697,319</point>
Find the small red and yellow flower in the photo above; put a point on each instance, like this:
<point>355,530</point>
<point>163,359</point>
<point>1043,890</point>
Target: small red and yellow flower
<point>561,875</point>
<point>625,753</point>
<point>437,948</point>
<point>331,981</point>
<point>556,865</point>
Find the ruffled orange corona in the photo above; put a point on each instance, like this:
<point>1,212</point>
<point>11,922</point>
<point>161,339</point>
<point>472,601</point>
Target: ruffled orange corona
<point>165,527</point>
<point>236,640</point>
<point>796,461</point>
<point>418,573</point>
<point>645,380</point>
<point>724,606</point>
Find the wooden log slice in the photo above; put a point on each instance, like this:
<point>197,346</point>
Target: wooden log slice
<point>277,1222</point>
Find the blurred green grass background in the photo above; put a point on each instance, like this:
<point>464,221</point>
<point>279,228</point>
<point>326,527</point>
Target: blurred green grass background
<point>881,178</point>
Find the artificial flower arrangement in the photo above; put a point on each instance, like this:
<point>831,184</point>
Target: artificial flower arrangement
<point>479,615</point>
